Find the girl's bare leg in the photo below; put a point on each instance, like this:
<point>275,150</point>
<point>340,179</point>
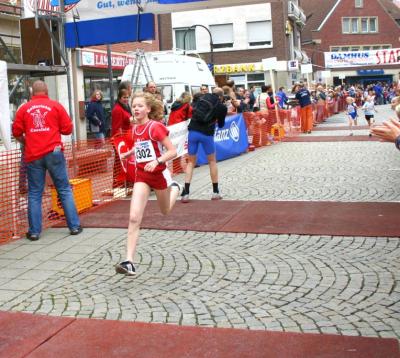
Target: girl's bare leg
<point>166,198</point>
<point>140,196</point>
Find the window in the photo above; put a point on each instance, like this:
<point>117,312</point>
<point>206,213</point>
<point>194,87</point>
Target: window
<point>222,35</point>
<point>364,25</point>
<point>354,25</point>
<point>346,25</point>
<point>359,3</point>
<point>359,25</point>
<point>372,24</point>
<point>190,41</point>
<point>259,33</point>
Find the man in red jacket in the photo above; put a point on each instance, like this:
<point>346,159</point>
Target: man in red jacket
<point>38,125</point>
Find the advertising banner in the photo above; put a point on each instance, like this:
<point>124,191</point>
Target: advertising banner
<point>230,141</point>
<point>5,120</point>
<point>362,58</point>
<point>99,59</point>
<point>178,134</point>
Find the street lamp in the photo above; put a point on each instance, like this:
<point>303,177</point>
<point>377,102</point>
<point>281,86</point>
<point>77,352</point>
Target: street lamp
<point>211,43</point>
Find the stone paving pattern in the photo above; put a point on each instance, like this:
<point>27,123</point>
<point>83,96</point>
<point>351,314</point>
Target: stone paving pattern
<point>311,284</point>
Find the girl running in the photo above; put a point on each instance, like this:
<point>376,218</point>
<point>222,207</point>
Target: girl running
<point>369,111</point>
<point>351,113</point>
<point>147,138</point>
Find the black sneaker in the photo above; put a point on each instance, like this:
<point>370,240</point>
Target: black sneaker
<point>32,237</point>
<point>125,268</point>
<point>76,231</point>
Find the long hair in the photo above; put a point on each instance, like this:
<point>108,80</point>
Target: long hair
<point>93,97</point>
<point>155,105</point>
<point>185,97</point>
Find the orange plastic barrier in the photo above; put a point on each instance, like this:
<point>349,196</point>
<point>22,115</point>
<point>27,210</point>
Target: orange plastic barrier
<point>93,173</point>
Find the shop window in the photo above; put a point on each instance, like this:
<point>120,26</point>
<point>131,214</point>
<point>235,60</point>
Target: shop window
<point>222,35</point>
<point>259,33</point>
<point>190,41</point>
<point>254,77</point>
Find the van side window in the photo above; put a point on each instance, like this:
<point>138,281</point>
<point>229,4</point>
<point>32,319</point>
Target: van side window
<point>167,93</point>
<point>195,89</point>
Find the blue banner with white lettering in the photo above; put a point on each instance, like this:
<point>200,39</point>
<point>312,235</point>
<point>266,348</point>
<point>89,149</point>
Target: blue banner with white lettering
<point>230,141</point>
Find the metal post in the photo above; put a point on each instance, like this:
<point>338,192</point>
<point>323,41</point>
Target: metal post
<point>110,76</point>
<point>69,86</point>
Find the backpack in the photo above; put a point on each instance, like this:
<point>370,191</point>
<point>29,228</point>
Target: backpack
<point>204,108</point>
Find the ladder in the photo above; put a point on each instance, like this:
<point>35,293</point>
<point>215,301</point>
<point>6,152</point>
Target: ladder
<point>141,64</point>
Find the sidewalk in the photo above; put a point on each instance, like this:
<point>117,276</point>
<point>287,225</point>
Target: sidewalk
<point>341,285</point>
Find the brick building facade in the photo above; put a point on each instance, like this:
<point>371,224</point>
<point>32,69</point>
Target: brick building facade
<point>351,25</point>
<point>285,19</point>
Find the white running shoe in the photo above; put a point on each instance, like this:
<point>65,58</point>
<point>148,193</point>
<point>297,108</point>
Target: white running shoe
<point>216,196</point>
<point>185,198</point>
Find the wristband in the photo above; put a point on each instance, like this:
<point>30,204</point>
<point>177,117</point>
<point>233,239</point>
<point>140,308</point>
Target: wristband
<point>159,161</point>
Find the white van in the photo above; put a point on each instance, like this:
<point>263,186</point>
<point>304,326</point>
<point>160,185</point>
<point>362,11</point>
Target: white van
<point>173,74</point>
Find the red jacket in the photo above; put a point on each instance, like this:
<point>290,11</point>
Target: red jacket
<point>180,113</point>
<point>42,121</point>
<point>120,119</point>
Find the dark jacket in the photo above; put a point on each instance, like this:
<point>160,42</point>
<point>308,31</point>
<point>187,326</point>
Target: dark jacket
<point>95,109</point>
<point>220,112</point>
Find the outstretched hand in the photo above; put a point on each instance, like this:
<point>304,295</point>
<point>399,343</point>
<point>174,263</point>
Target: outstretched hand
<point>388,130</point>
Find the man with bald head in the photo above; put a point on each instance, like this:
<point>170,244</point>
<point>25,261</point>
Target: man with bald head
<point>38,125</point>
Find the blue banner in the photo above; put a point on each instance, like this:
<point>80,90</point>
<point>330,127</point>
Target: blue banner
<point>109,30</point>
<point>230,141</point>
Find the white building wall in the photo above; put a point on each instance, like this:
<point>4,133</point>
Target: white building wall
<point>238,15</point>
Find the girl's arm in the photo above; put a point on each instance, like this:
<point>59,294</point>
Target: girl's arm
<point>169,154</point>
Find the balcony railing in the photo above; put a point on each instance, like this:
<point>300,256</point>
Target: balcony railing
<point>9,9</point>
<point>296,13</point>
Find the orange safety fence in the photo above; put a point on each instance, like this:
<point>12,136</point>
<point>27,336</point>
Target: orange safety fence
<point>95,178</point>
<point>264,127</point>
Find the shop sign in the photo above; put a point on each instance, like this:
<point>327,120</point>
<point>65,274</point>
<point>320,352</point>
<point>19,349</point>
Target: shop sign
<point>293,65</point>
<point>370,72</point>
<point>362,58</point>
<point>237,68</point>
<point>99,59</point>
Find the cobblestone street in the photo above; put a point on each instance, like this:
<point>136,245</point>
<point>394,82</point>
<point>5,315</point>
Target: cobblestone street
<point>292,283</point>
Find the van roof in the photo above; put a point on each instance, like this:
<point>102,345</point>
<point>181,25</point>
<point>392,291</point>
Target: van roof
<point>170,67</point>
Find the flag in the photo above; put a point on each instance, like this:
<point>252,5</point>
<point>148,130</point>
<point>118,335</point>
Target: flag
<point>170,2</point>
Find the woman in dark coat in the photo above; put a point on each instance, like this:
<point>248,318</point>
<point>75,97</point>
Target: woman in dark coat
<point>96,115</point>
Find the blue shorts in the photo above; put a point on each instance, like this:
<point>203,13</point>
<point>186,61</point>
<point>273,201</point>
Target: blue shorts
<point>195,138</point>
<point>353,115</point>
